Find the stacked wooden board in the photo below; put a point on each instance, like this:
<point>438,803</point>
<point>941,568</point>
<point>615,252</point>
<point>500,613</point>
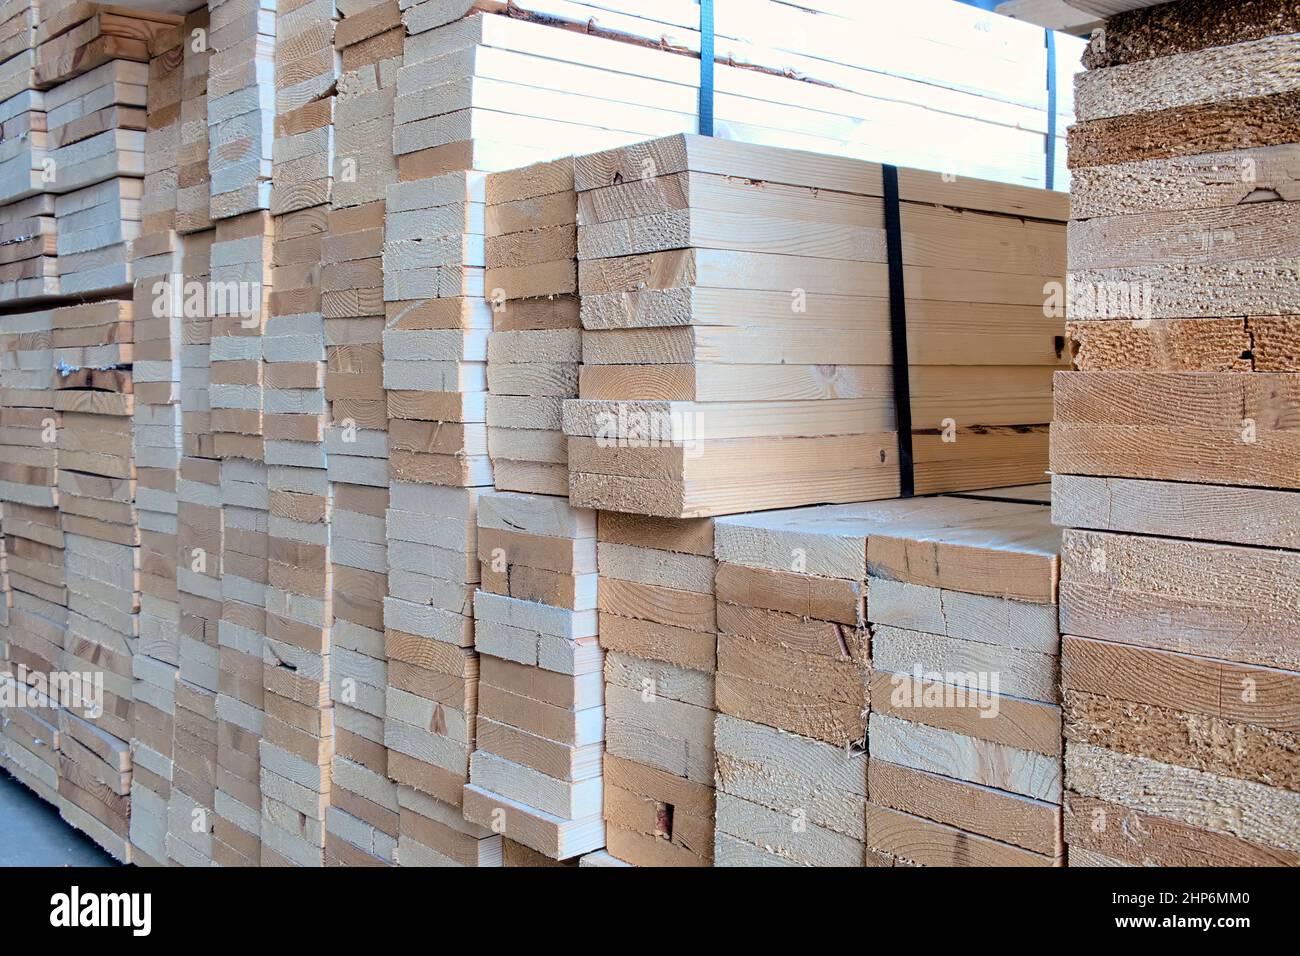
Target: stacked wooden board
<point>23,146</point>
<point>241,104</point>
<point>834,78</point>
<point>158,312</point>
<point>535,772</point>
<point>30,270</point>
<point>535,348</point>
<point>307,553</point>
<point>965,727</point>
<point>1173,453</point>
<point>93,354</point>
<point>35,577</point>
<point>736,314</point>
<point>658,627</point>
<point>364,816</point>
<point>791,766</point>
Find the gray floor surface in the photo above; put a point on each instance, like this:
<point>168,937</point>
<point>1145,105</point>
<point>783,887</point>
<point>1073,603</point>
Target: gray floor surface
<point>33,834</point>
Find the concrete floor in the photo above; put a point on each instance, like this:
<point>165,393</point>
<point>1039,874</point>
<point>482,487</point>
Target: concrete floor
<point>33,834</point>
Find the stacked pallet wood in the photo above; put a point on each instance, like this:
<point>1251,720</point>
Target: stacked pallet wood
<point>658,627</point>
<point>736,319</point>
<point>1175,467</point>
<point>965,726</point>
<point>158,312</point>
<point>535,348</point>
<point>241,105</point>
<point>535,773</point>
<point>363,819</point>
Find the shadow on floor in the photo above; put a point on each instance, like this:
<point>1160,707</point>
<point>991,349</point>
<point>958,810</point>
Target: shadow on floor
<point>33,834</point>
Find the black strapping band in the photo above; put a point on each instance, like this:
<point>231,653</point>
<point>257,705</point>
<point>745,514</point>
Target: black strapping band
<point>898,333</point>
<point>706,68</point>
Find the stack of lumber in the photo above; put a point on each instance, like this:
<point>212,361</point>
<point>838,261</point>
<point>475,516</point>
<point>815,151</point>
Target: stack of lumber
<point>24,146</point>
<point>305,76</point>
<point>241,105</point>
<point>965,726</point>
<point>298,731</point>
<point>1173,453</point>
<point>238,521</point>
<point>29,737</point>
<point>735,303</point>
<point>363,819</point>
<point>370,39</point>
<point>96,126</point>
<point>792,643</point>
<point>295,754</point>
<point>193,180</point>
<point>95,773</point>
<point>658,628</point>
<point>838,79</point>
<point>18,22</point>
<point>29,270</point>
<point>203,573</point>
<point>75,37</point>
<point>158,312</point>
<point>535,348</point>
<point>431,697</point>
<point>97,479</point>
<point>239,290</point>
<point>96,227</point>
<point>21,19</point>
<point>34,581</point>
<point>535,774</point>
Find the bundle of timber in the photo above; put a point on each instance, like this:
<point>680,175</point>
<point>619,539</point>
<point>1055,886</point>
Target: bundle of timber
<point>737,330</point>
<point>535,774</point>
<point>96,126</point>
<point>76,36</point>
<point>96,227</point>
<point>363,822</point>
<point>791,700</point>
<point>29,735</point>
<point>1173,453</point>
<point>193,179</point>
<point>965,727</point>
<point>158,312</point>
<point>432,683</point>
<point>24,146</point>
<point>658,628</point>
<point>856,81</point>
<point>93,353</point>
<point>296,753</point>
<point>305,75</point>
<point>18,22</point>
<point>241,101</point>
<point>535,348</point>
<point>28,265</point>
